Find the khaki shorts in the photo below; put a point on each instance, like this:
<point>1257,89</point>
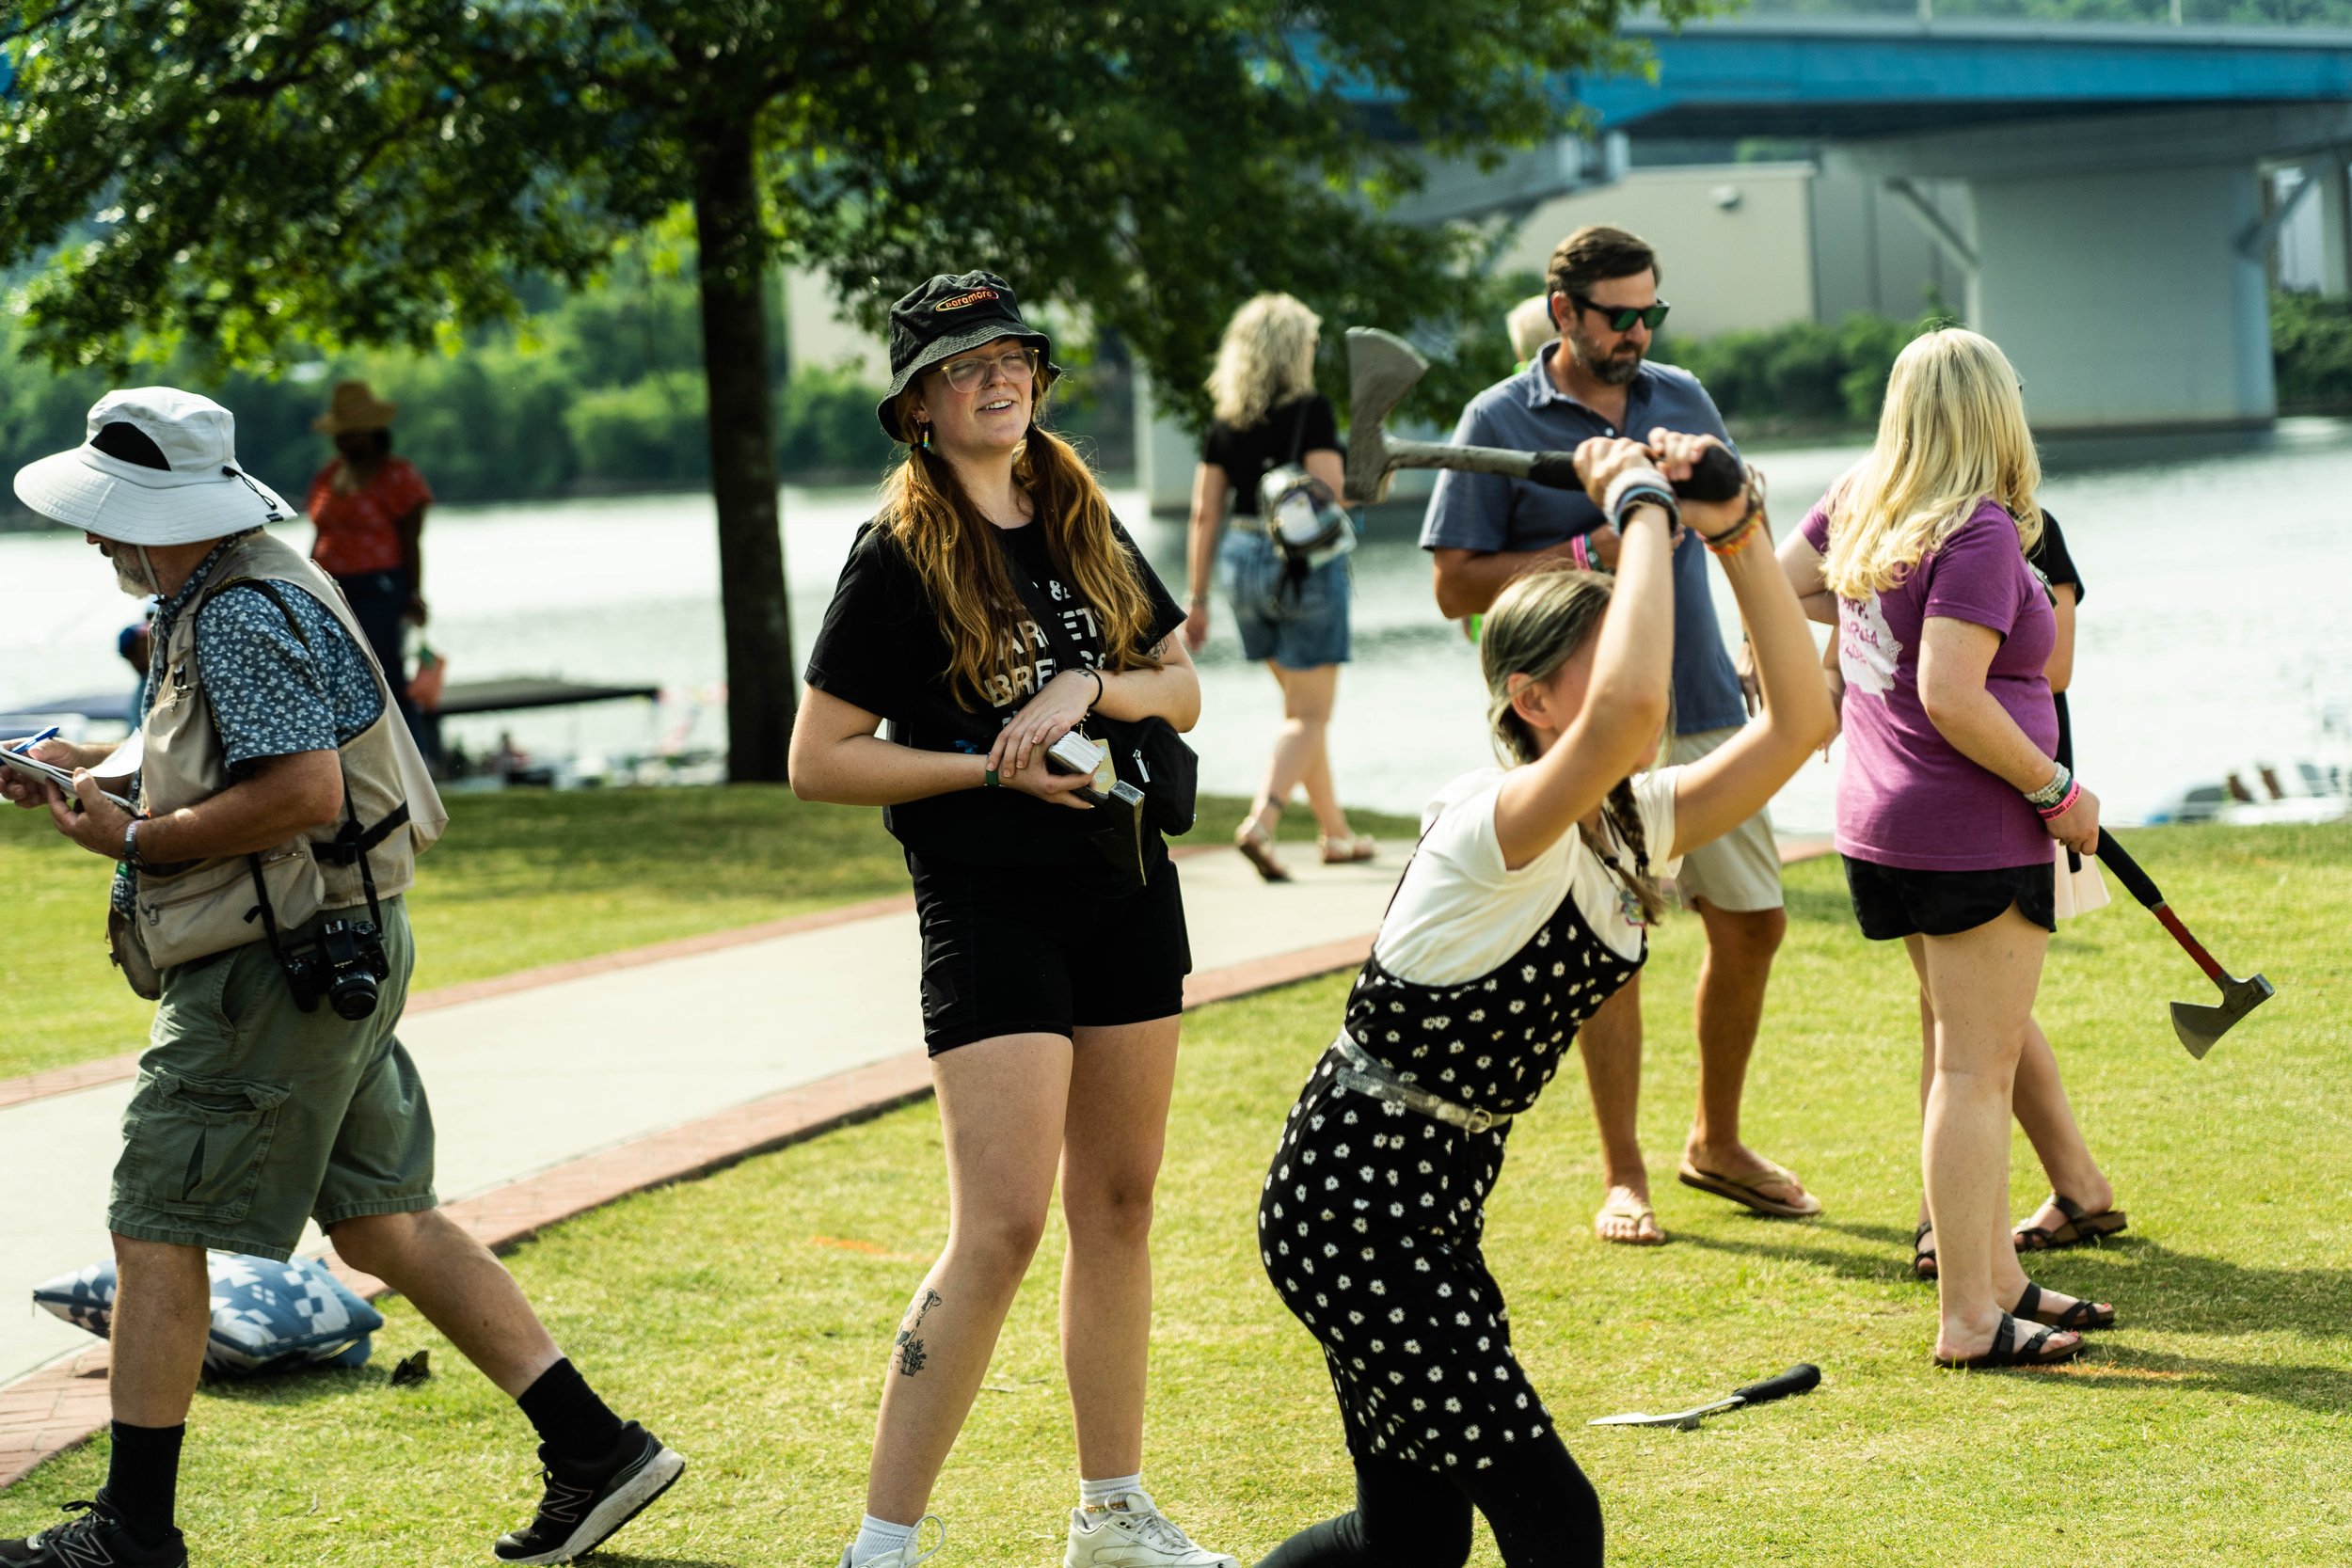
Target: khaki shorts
<point>252,1117</point>
<point>1739,871</point>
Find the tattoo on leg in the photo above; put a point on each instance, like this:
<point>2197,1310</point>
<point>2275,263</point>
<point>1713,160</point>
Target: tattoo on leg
<point>911,1354</point>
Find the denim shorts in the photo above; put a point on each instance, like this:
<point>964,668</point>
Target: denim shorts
<point>1299,627</point>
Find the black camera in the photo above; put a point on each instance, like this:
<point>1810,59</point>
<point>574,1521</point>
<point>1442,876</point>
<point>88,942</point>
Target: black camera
<point>342,963</point>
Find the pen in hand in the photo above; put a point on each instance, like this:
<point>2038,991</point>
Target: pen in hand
<point>30,741</point>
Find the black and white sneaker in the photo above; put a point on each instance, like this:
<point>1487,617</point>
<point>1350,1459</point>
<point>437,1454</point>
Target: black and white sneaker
<point>99,1539</point>
<point>586,1503</point>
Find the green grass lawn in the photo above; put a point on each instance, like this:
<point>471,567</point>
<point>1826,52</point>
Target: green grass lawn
<point>522,879</point>
<point>747,1316</point>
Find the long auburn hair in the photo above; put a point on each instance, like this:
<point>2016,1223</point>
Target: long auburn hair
<point>956,556</point>
<point>1537,626</point>
<point>1951,433</point>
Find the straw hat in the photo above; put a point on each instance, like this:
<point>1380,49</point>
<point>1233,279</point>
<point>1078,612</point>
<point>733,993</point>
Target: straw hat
<point>353,407</point>
<point>159,467</point>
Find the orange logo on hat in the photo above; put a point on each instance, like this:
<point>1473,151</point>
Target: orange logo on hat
<point>962,300</point>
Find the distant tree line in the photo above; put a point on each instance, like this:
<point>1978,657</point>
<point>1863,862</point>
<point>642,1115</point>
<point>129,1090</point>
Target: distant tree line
<point>593,392</point>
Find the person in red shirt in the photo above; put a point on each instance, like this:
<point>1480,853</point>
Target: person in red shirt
<point>370,507</point>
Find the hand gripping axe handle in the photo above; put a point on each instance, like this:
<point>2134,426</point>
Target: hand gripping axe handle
<point>2197,1026</point>
<point>1382,368</point>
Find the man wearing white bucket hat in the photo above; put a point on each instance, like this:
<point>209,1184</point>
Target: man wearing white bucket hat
<point>280,808</point>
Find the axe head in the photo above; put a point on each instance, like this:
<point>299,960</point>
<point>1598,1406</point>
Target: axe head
<point>1381,369</point>
<point>2198,1027</point>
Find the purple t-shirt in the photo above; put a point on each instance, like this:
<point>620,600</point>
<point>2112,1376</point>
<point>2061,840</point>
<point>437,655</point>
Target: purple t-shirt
<point>1908,797</point>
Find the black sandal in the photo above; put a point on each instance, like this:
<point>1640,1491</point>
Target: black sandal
<point>1923,1257</point>
<point>2007,1351</point>
<point>2082,1315</point>
<point>2080,1228</point>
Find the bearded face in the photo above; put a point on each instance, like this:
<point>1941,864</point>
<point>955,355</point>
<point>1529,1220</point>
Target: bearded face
<point>129,570</point>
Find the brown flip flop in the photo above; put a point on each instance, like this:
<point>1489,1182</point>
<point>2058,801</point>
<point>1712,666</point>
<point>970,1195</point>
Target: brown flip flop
<point>1752,1196</point>
<point>1257,850</point>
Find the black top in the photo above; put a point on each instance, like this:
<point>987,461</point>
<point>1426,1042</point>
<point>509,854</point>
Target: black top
<point>881,649</point>
<point>2049,556</point>
<point>1289,432</point>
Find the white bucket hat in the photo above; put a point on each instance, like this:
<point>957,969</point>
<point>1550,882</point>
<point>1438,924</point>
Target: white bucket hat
<point>160,467</point>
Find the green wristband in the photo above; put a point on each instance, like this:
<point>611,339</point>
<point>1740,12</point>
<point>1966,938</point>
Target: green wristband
<point>989,779</point>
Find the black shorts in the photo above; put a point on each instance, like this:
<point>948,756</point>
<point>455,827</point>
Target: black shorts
<point>1021,951</point>
<point>1892,902</point>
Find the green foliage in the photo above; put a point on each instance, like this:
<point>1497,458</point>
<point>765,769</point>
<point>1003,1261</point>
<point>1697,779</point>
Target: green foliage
<point>273,177</point>
<point>1802,374</point>
<point>2311,346</point>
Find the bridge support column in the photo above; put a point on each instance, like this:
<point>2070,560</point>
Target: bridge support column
<point>2123,297</point>
<point>2327,173</point>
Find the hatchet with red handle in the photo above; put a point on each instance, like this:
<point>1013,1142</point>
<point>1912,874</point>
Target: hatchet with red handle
<point>2197,1026</point>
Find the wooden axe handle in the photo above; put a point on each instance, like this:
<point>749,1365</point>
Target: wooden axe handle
<point>2142,888</point>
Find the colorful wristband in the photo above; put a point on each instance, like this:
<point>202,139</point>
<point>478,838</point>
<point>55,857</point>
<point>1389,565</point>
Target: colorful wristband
<point>989,779</point>
<point>1581,551</point>
<point>2065,804</point>
<point>2053,792</point>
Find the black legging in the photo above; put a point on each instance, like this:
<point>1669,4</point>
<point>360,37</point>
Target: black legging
<point>1542,1510</point>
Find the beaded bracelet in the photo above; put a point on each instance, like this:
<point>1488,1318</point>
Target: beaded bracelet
<point>2066,802</point>
<point>2051,793</point>
<point>1735,539</point>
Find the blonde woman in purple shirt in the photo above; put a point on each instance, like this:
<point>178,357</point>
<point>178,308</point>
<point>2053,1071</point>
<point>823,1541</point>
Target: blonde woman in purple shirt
<point>1950,794</point>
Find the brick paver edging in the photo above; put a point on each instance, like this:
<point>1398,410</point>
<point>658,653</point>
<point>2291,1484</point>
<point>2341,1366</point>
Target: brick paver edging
<point>65,1403</point>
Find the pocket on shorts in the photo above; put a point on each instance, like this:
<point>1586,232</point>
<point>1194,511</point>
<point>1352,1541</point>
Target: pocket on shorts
<point>195,1147</point>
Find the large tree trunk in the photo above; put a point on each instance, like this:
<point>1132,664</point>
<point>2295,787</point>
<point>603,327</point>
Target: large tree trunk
<point>761,685</point>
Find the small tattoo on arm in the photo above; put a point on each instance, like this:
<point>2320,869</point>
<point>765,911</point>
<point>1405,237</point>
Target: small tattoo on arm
<point>912,1356</point>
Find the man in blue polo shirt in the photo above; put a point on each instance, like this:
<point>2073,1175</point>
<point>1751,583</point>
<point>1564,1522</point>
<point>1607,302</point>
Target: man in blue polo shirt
<point>1483,531</point>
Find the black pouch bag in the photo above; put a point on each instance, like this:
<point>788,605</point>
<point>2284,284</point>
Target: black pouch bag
<point>1148,752</point>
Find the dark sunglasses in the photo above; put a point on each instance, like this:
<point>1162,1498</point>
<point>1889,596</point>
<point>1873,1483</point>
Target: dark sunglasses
<point>1622,317</point>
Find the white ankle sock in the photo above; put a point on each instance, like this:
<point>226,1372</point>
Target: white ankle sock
<point>878,1537</point>
<point>1100,1496</point>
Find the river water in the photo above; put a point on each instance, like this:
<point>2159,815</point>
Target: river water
<point>2214,632</point>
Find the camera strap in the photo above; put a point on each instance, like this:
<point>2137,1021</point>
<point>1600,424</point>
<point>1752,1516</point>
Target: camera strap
<point>350,843</point>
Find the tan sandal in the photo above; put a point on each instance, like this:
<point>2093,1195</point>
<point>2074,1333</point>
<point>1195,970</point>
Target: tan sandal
<point>1354,849</point>
<point>1257,850</point>
<point>1638,1212</point>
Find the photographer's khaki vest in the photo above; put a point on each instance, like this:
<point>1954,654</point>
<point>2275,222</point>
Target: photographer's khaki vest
<point>210,907</point>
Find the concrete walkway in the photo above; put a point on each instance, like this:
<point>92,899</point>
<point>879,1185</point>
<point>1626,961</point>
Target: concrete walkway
<point>557,1089</point>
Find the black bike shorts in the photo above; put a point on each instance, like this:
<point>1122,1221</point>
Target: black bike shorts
<point>1021,951</point>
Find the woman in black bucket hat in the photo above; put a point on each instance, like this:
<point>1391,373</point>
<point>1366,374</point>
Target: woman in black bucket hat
<point>991,606</point>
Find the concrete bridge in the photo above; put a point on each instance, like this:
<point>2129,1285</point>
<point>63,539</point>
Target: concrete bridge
<point>2114,232</point>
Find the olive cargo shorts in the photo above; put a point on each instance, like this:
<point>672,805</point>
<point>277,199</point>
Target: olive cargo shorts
<point>252,1115</point>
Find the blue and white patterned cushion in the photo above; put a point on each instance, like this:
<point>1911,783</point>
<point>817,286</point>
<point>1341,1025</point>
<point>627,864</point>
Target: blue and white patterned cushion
<point>267,1316</point>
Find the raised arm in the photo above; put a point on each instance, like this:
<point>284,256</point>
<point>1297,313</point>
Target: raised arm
<point>1734,780</point>
<point>1615,719</point>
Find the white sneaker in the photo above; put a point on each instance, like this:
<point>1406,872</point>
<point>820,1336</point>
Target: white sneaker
<point>906,1555</point>
<point>1143,1538</point>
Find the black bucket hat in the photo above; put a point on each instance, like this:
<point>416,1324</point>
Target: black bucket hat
<point>952,314</point>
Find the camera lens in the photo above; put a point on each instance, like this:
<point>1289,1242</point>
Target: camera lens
<point>351,995</point>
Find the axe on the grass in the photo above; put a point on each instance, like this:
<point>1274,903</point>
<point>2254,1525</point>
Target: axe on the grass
<point>1796,1380</point>
<point>2197,1026</point>
<point>1382,368</point>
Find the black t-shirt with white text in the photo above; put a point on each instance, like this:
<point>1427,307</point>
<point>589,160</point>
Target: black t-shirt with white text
<point>1286,435</point>
<point>881,648</point>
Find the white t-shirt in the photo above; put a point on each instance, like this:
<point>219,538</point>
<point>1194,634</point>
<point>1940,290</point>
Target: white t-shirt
<point>1459,915</point>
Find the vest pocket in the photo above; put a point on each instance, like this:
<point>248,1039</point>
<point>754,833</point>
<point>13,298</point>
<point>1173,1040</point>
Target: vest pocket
<point>195,1147</point>
<point>212,909</point>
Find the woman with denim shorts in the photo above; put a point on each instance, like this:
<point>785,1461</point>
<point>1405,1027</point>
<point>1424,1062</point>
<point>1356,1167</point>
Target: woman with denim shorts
<point>1292,619</point>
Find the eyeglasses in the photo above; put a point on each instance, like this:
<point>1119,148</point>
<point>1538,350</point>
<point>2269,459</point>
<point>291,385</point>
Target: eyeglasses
<point>1622,317</point>
<point>1019,364</point>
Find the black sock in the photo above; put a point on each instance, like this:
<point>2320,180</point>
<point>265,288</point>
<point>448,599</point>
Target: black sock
<point>571,1419</point>
<point>143,1480</point>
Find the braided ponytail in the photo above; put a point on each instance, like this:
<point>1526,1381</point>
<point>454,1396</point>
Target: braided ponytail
<point>1623,817</point>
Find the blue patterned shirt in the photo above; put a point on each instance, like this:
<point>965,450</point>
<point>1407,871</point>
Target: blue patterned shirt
<point>271,695</point>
